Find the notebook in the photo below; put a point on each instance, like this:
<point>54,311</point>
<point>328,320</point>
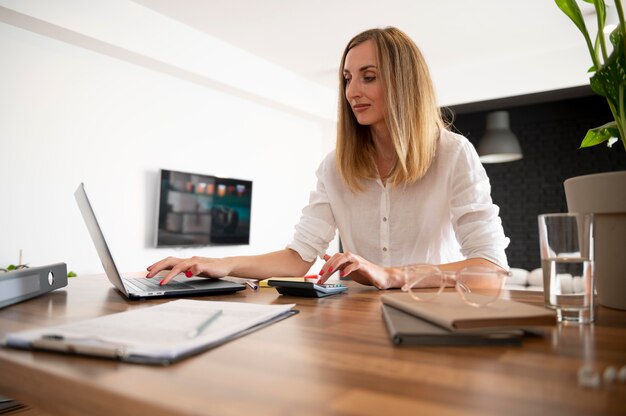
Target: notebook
<point>406,329</point>
<point>140,288</point>
<point>449,311</point>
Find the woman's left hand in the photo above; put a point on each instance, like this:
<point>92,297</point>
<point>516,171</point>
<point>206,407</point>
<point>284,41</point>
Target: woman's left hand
<point>358,269</point>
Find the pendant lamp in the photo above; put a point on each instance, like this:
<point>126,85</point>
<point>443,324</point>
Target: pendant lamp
<point>499,144</point>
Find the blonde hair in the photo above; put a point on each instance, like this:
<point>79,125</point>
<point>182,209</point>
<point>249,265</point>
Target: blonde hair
<point>412,115</point>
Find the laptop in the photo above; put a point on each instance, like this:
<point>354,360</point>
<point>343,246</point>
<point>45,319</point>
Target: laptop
<point>141,288</point>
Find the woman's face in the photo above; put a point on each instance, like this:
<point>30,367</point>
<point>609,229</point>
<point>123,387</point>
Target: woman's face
<point>364,91</point>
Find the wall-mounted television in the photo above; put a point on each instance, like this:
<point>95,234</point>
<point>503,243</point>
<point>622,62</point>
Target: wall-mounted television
<point>202,210</point>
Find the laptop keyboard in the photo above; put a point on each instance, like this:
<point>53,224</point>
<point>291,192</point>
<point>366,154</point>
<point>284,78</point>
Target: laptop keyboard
<point>151,285</point>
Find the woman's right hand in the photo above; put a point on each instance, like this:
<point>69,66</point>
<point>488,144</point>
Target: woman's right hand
<point>193,266</point>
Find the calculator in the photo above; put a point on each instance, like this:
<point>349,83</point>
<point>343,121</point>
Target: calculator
<point>306,289</point>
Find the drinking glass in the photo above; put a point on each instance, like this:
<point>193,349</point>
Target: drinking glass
<point>566,244</point>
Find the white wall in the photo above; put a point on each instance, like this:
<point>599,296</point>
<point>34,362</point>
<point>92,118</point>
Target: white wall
<point>492,49</point>
<point>510,76</point>
<point>109,92</point>
<point>70,114</point>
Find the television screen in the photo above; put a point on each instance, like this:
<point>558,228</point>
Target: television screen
<point>200,210</point>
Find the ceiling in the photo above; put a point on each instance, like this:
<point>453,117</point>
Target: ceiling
<point>308,37</point>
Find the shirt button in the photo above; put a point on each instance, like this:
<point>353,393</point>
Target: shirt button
<point>385,249</point>
<point>384,219</point>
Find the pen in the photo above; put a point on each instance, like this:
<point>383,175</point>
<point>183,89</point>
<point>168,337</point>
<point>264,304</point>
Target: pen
<point>252,284</point>
<point>198,330</point>
<point>312,278</point>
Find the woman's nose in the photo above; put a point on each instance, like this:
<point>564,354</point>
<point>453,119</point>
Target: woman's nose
<point>352,91</point>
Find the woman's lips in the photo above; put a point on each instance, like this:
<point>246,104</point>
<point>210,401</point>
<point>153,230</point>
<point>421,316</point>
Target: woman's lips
<point>360,107</point>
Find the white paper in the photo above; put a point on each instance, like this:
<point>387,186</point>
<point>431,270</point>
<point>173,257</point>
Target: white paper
<point>161,331</point>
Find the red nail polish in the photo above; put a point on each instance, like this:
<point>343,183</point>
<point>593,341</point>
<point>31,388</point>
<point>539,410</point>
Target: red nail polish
<point>188,273</point>
<point>321,272</point>
<point>148,275</point>
<point>330,271</point>
<point>162,282</point>
<point>341,273</point>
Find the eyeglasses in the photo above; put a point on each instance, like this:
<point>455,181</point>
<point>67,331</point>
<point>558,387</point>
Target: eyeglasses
<point>477,285</point>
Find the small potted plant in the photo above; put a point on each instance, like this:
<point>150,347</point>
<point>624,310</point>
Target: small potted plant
<point>604,194</point>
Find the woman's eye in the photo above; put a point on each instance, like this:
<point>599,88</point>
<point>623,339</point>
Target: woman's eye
<point>369,79</point>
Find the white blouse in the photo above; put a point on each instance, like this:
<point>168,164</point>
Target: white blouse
<point>444,217</point>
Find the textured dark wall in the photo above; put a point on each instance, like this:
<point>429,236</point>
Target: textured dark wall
<point>549,134</point>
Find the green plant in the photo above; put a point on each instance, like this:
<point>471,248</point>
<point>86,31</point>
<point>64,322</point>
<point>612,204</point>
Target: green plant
<point>609,78</point>
<point>12,267</point>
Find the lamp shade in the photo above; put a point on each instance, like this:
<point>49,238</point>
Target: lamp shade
<point>499,144</point>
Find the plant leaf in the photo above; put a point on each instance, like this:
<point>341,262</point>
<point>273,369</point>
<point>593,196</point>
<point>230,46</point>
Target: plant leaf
<point>612,74</point>
<point>615,36</point>
<point>571,9</point>
<point>600,134</point>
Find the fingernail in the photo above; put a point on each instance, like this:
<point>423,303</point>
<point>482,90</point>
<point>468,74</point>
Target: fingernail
<point>188,273</point>
<point>149,267</point>
<point>162,282</point>
<point>330,271</point>
<point>148,275</point>
<point>321,272</point>
<point>341,273</point>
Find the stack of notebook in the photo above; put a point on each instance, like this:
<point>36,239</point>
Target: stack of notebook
<point>447,320</point>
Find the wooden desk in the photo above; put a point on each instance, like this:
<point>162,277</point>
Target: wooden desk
<point>332,358</point>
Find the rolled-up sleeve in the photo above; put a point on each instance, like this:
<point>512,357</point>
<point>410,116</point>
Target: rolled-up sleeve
<point>475,218</point>
<point>317,226</point>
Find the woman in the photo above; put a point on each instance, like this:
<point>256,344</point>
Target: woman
<point>400,188</point>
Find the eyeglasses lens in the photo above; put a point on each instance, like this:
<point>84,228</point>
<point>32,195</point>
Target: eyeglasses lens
<point>479,285</point>
<point>421,279</point>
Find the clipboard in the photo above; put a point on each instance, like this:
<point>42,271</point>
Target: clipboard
<point>154,335</point>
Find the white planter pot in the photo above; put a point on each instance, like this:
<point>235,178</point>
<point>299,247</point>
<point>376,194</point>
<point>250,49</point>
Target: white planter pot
<point>604,194</point>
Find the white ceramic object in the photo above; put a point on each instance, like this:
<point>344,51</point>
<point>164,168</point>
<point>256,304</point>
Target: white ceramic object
<point>604,195</point>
